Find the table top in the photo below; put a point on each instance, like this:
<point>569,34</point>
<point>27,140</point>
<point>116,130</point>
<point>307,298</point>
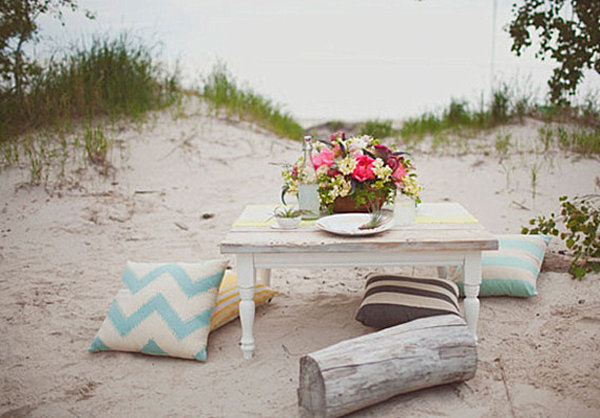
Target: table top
<point>445,226</point>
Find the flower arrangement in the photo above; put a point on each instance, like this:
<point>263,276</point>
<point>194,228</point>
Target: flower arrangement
<point>360,168</point>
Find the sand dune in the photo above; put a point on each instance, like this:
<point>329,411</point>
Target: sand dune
<point>62,251</point>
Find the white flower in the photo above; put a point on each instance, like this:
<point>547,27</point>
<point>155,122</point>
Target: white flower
<point>340,187</point>
<point>347,165</point>
<point>344,186</point>
<point>382,171</point>
<point>410,186</point>
<point>358,143</point>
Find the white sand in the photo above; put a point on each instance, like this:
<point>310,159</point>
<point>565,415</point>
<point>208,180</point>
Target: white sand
<point>62,252</point>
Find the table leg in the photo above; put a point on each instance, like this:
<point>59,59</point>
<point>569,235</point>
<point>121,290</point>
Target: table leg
<point>472,281</point>
<point>246,282</point>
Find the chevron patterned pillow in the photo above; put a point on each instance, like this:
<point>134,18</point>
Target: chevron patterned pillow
<point>164,311</point>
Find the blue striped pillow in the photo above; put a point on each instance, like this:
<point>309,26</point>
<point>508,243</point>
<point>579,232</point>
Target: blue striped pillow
<point>165,310</point>
<point>513,269</point>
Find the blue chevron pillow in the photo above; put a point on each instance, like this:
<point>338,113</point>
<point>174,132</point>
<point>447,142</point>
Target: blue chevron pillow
<point>164,311</point>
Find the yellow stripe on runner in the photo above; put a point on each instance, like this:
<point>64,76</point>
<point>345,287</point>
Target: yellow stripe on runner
<point>261,216</point>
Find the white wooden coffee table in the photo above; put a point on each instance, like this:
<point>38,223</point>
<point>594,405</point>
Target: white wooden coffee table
<point>444,234</point>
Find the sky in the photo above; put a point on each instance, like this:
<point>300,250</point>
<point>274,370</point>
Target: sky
<point>328,59</point>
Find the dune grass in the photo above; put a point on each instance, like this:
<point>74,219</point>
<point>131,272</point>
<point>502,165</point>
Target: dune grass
<point>114,79</point>
<point>581,140</point>
<point>502,144</point>
<point>378,129</point>
<point>460,115</point>
<point>118,78</point>
<point>94,85</point>
<point>507,105</point>
<point>223,94</point>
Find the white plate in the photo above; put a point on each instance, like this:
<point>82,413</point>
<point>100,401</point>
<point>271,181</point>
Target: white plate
<point>349,223</point>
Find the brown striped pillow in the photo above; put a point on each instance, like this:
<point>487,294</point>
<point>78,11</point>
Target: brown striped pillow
<point>392,299</point>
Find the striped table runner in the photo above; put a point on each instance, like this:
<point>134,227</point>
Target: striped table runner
<point>427,213</point>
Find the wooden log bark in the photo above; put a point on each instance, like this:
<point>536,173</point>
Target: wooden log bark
<point>360,372</point>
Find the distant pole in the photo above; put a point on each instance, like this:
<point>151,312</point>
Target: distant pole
<point>494,9</point>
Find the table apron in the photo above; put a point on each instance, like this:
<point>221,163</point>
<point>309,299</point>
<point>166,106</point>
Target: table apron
<point>357,259</point>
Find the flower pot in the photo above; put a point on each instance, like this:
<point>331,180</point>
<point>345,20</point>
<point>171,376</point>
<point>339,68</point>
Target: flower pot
<point>348,204</point>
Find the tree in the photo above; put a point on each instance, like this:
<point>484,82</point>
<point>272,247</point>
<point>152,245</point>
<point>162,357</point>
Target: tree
<point>568,32</point>
<point>17,27</point>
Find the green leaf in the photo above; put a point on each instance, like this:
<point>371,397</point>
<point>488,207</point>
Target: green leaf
<point>578,272</point>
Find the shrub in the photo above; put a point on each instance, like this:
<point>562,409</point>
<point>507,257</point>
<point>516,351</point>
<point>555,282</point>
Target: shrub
<point>581,222</point>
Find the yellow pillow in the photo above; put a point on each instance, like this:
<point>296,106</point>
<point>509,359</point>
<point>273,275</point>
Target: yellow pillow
<point>228,300</point>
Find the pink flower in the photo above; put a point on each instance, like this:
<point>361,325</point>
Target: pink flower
<point>325,157</point>
<point>364,168</point>
<point>399,172</point>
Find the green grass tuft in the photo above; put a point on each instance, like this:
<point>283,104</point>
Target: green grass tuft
<point>223,94</point>
<point>96,144</point>
<point>502,144</point>
<point>506,106</point>
<point>115,78</point>
<point>377,129</point>
<point>459,115</point>
<point>585,141</point>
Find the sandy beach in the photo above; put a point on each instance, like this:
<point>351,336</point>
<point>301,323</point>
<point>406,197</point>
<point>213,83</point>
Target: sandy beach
<point>176,186</point>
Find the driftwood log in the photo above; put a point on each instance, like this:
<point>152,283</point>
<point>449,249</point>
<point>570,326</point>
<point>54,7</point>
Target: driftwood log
<point>360,372</point>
